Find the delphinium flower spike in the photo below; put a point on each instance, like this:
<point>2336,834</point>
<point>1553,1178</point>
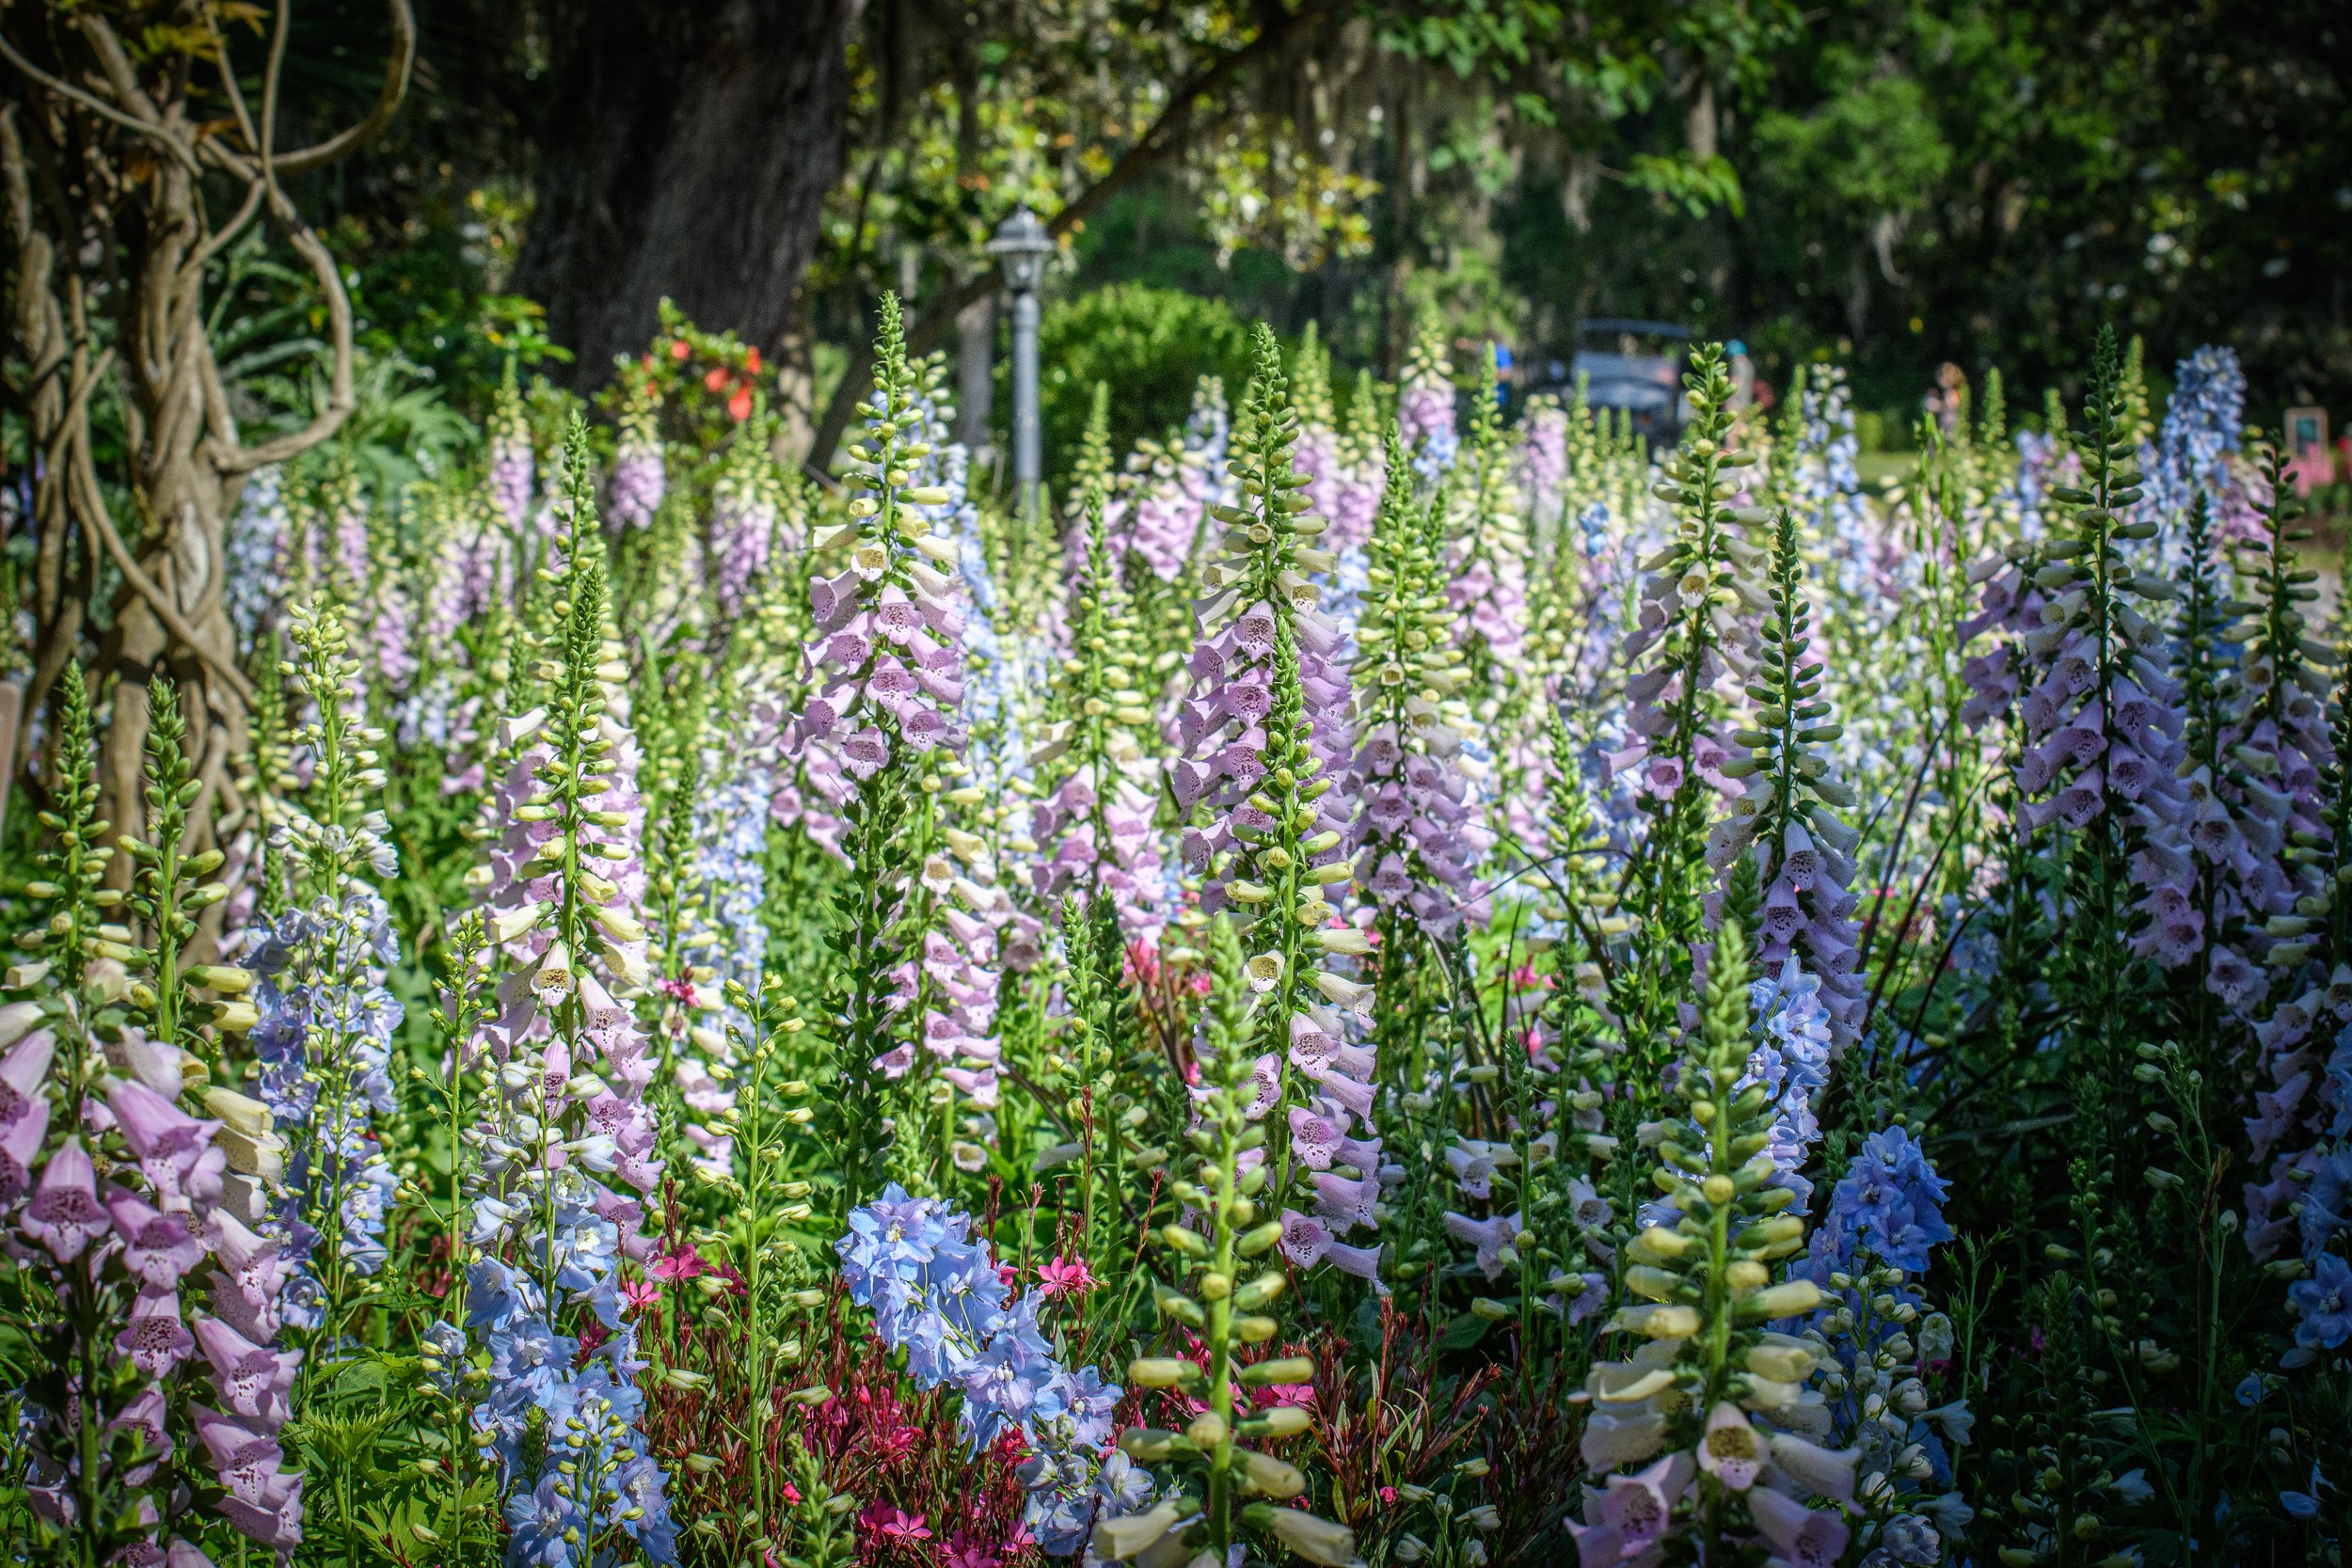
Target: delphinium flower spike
<point>2204,423</point>
<point>324,1044</point>
<point>1220,1450</point>
<point>936,1291</point>
<point>1873,1340</point>
<point>1685,1406</point>
<point>260,538</point>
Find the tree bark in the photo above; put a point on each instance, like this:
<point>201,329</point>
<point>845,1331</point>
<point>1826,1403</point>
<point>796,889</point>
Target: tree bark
<point>686,153</point>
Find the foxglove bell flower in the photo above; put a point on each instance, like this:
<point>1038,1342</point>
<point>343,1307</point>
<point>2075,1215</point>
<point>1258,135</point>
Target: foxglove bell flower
<point>640,477</point>
<point>1425,402</point>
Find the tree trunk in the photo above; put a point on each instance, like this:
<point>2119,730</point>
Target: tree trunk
<point>686,153</point>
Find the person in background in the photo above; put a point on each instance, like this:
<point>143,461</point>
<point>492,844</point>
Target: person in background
<point>1743,375</point>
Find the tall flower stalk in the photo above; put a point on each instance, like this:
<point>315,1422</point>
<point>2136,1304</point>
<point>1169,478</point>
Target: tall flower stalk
<point>1702,1277</point>
<point>548,1238</point>
<point>1221,1450</point>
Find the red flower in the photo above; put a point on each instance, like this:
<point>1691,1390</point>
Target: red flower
<point>751,359</point>
<point>716,378</point>
<point>678,349</point>
<point>740,406</point>
<point>1063,1277</point>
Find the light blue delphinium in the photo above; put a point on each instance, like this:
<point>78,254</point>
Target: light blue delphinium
<point>936,1293</point>
<point>1791,1062</point>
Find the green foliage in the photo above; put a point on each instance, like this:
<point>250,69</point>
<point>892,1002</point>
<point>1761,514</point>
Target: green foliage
<point>1153,344</point>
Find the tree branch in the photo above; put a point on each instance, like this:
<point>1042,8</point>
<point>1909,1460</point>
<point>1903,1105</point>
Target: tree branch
<point>101,522</point>
<point>397,69</point>
<point>230,458</point>
<point>97,106</point>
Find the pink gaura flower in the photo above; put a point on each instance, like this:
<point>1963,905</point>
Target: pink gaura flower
<point>885,1523</point>
<point>678,1263</point>
<point>1063,1277</point>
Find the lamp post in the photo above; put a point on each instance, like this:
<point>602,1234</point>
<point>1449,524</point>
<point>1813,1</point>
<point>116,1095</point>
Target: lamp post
<point>1021,247</point>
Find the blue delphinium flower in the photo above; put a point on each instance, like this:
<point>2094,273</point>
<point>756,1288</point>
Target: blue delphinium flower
<point>1889,1203</point>
<point>2204,424</point>
<point>935,1293</point>
<point>2322,1304</point>
<point>592,1467</point>
<point>1791,1062</point>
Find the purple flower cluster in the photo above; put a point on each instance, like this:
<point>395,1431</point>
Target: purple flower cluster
<point>1791,1062</point>
<point>512,467</point>
<point>472,568</point>
<point>1540,465</point>
<point>750,519</point>
<point>1097,819</point>
<point>2101,724</point>
<point>1413,839</point>
<point>1221,725</point>
<point>1487,582</point>
<point>640,479</point>
<point>1888,1205</point>
<point>116,1257</point>
<point>1425,402</point>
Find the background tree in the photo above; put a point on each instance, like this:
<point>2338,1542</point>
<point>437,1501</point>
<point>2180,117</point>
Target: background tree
<point>136,155</point>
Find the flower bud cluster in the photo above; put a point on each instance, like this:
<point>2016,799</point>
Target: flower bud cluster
<point>1223,1451</point>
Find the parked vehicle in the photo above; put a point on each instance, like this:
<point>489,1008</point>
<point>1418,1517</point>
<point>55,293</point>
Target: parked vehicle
<point>1626,364</point>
